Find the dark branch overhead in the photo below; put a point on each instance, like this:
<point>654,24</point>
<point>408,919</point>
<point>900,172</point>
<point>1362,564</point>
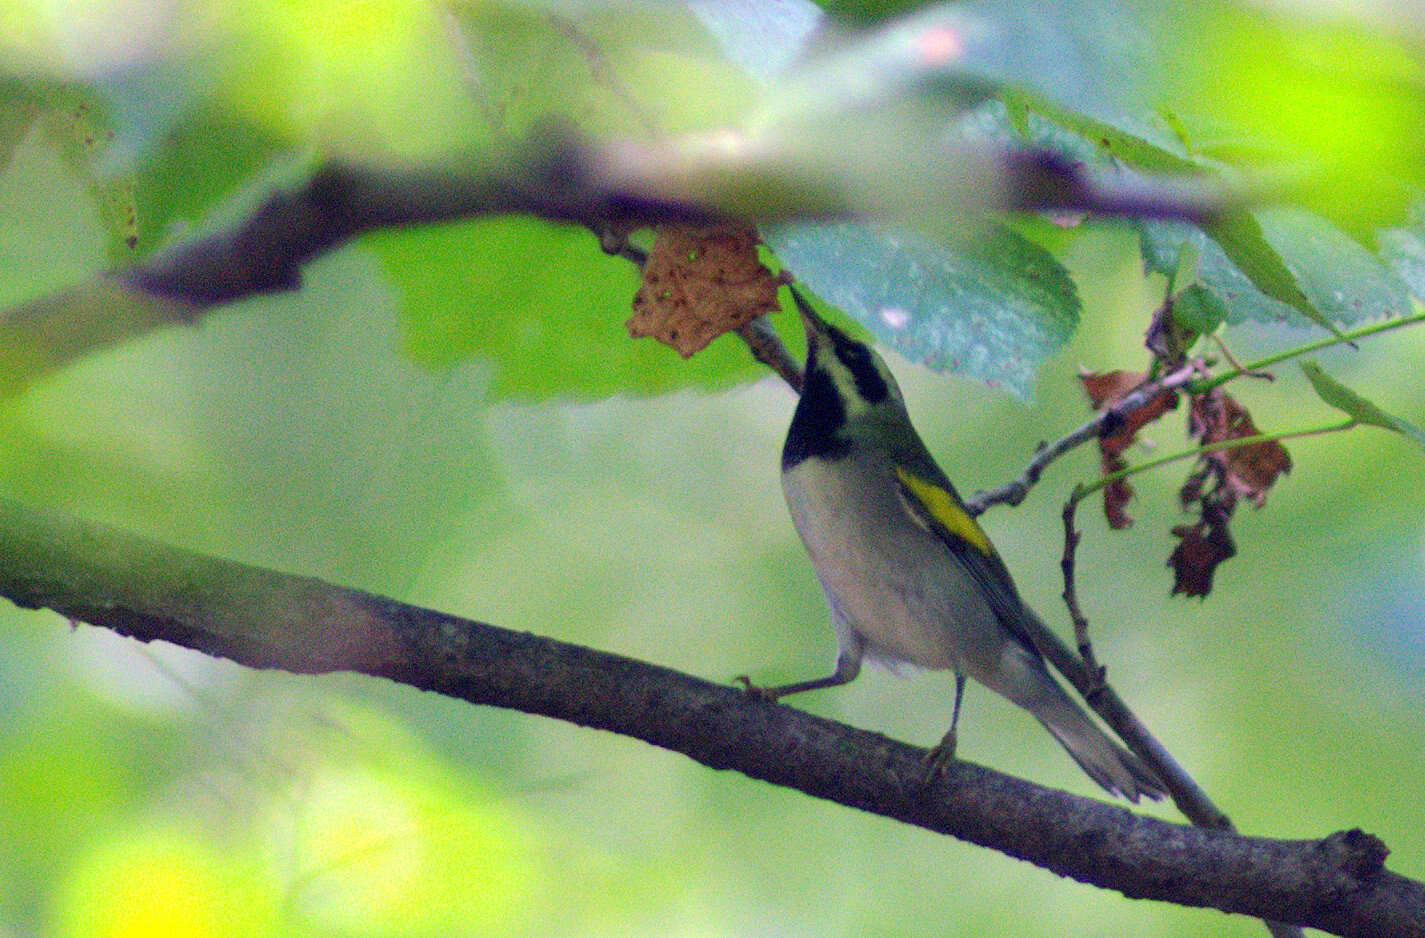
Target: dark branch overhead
<point>554,174</point>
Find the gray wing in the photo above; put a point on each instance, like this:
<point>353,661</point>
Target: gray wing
<point>986,569</point>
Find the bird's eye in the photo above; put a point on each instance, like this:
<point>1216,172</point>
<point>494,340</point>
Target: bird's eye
<point>861,362</point>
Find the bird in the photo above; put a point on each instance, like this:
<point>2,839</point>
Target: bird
<point>910,577</point>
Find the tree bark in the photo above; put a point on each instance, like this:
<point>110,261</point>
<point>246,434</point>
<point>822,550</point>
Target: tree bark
<point>266,619</point>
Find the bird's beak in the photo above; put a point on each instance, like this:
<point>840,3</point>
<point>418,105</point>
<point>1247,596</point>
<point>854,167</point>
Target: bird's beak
<point>813,323</point>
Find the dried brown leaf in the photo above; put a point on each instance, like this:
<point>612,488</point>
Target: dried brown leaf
<point>1103,390</point>
<point>1194,486</point>
<point>1110,387</point>
<point>1247,470</point>
<point>1105,387</point>
<point>699,282</point>
<point>1116,496</point>
<point>1201,547</point>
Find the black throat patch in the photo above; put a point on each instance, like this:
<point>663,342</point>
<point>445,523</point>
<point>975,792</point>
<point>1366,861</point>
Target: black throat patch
<point>816,425</point>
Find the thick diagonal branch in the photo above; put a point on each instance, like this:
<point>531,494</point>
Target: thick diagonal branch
<point>265,619</point>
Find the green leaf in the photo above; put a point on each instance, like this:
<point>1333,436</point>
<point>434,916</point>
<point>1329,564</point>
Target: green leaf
<point>1098,58</point>
<point>1281,259</point>
<point>1050,125</point>
<point>1241,239</point>
<point>920,57</point>
<point>606,69</point>
<point>543,305</point>
<point>1353,405</point>
<point>204,159</point>
<point>1199,309</point>
<point>991,306</point>
<point>1403,249</point>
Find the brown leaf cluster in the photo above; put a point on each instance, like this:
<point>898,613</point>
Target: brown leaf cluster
<point>1211,492</point>
<point>1220,481</point>
<point>1107,389</point>
<point>1206,542</point>
<point>699,282</point>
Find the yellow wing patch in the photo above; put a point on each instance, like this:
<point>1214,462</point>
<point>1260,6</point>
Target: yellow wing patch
<point>946,510</point>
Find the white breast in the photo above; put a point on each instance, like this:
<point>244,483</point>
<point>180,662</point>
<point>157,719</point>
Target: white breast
<point>887,579</point>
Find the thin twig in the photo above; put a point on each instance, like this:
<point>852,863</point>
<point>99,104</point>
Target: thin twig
<point>614,242</point>
<point>555,174</point>
<point>767,348</point>
<point>1208,383</point>
<point>1071,597</point>
<point>1102,423</point>
<point>1089,678</point>
<point>1232,360</point>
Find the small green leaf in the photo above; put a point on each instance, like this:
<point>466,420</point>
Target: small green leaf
<point>1199,309</point>
<point>1353,405</point>
<point>1115,142</point>
<point>204,159</point>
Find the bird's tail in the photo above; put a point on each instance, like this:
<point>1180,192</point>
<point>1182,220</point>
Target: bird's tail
<point>1105,761</point>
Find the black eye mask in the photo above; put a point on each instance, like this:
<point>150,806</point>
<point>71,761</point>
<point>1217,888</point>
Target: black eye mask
<point>870,384</point>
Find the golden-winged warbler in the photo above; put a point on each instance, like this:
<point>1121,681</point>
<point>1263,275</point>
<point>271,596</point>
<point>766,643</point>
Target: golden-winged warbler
<point>910,577</point>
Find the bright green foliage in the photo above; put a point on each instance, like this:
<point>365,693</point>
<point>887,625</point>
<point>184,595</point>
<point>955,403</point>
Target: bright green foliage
<point>165,118</point>
<point>542,305</point>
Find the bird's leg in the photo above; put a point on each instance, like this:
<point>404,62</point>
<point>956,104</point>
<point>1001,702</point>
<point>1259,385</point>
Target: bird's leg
<point>941,755</point>
<point>847,667</point>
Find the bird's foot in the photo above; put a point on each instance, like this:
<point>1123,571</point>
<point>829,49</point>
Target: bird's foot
<point>768,694</point>
<point>939,756</point>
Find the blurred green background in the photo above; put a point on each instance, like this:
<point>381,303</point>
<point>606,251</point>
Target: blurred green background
<point>292,433</point>
<point>150,791</point>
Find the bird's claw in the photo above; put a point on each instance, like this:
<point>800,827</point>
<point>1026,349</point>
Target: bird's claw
<point>939,756</point>
<point>752,690</point>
